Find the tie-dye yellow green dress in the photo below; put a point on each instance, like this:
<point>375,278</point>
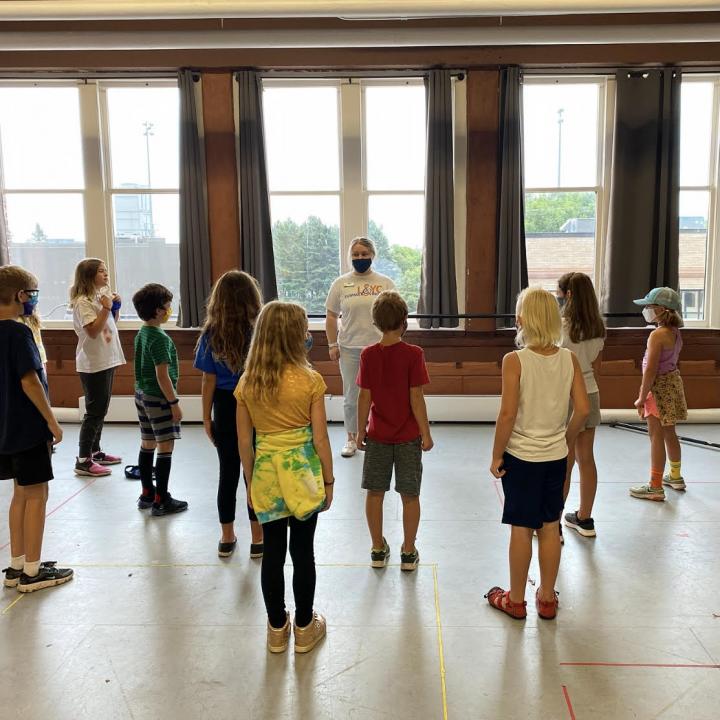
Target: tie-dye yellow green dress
<point>287,477</point>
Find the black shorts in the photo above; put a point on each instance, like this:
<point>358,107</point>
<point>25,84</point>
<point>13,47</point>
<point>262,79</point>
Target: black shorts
<point>533,491</point>
<point>28,467</point>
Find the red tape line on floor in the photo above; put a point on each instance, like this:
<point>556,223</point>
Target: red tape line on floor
<point>639,665</point>
<point>568,703</point>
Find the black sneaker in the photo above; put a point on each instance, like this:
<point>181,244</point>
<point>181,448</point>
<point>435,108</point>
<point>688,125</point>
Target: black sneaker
<point>48,576</point>
<point>586,527</point>
<point>169,506</point>
<point>379,558</point>
<point>226,549</point>
<point>409,561</point>
<point>12,576</point>
<point>256,550</point>
<point>145,501</point>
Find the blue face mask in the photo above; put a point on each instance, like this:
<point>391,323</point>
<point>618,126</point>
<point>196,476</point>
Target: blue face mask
<point>561,301</point>
<point>362,265</point>
<point>30,305</point>
<point>308,343</point>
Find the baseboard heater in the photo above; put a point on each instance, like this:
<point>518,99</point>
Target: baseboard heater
<point>441,408</point>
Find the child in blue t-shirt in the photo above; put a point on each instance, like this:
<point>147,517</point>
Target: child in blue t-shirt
<point>28,429</point>
<point>221,351</point>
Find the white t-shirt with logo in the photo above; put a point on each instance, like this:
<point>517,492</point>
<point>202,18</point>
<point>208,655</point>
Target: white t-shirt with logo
<point>351,296</point>
<point>99,353</point>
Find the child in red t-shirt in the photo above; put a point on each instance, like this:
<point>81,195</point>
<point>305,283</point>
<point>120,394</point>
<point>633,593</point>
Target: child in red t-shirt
<point>391,378</point>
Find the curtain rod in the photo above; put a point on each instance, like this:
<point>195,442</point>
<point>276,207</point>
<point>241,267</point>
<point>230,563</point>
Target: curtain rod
<point>349,73</point>
<point>88,75</point>
<point>612,69</point>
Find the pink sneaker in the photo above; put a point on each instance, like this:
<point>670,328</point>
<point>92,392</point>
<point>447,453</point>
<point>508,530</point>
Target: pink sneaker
<point>103,458</point>
<point>89,468</point>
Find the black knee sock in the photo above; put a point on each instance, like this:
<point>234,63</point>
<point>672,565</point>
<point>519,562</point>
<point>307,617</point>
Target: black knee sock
<point>145,463</point>
<point>162,473</point>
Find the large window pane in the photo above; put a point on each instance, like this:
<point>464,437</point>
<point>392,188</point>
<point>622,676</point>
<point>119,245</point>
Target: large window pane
<point>396,224</point>
<point>693,252</point>
<point>40,138</point>
<point>560,235</point>
<point>306,241</point>
<point>695,132</point>
<point>147,238</point>
<point>395,137</point>
<point>560,134</point>
<point>301,138</point>
<point>144,145</point>
<point>47,236</point>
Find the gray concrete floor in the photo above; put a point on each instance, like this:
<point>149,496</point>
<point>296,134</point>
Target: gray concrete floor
<point>156,626</point>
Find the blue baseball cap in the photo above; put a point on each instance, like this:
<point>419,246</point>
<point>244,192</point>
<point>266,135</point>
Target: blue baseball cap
<point>664,296</point>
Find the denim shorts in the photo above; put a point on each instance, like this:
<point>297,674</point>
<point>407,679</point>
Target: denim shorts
<point>380,458</point>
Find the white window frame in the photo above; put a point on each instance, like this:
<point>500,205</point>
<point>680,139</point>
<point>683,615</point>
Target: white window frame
<point>97,191</point>
<point>712,257</point>
<point>605,115</point>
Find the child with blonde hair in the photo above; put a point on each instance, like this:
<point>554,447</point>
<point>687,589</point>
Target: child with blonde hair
<point>661,400</point>
<point>530,451</point>
<point>221,352</point>
<point>290,469</point>
<point>99,352</point>
<point>584,334</point>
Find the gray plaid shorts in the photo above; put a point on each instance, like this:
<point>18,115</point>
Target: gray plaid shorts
<point>380,458</point>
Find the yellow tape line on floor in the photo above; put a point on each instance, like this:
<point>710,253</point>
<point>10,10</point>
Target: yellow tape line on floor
<point>441,652</point>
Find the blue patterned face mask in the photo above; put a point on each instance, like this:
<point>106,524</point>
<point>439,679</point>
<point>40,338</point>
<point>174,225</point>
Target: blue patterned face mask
<point>308,342</point>
<point>361,265</point>
<point>31,303</point>
<point>561,301</point>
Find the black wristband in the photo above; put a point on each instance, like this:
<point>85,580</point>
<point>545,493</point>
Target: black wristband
<point>174,402</point>
<point>329,484</point>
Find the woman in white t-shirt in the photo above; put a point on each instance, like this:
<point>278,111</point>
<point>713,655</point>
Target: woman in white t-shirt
<point>350,298</point>
<point>98,353</point>
<point>584,334</point>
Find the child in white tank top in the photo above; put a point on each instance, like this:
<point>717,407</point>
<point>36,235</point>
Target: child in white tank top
<point>531,447</point>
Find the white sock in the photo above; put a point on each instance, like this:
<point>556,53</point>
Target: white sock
<point>32,568</point>
<point>82,460</point>
<point>17,563</point>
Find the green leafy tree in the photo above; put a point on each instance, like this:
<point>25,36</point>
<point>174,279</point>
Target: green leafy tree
<point>548,212</point>
<point>38,234</point>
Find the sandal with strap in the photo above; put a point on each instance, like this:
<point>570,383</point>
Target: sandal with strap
<point>132,472</point>
<point>500,600</point>
<point>546,609</point>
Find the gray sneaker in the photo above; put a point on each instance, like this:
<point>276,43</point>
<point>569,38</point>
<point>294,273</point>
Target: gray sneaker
<point>648,492</point>
<point>678,484</point>
<point>379,558</point>
<point>409,561</point>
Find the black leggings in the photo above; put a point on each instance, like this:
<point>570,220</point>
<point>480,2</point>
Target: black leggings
<point>275,537</point>
<point>226,444</point>
<point>98,391</point>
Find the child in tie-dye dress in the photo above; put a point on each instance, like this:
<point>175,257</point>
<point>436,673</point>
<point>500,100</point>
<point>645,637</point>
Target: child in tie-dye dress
<point>290,471</point>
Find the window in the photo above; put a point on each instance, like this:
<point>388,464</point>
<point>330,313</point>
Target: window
<point>565,175</point>
<point>345,159</point>
<point>100,179</point>
<point>698,188</point>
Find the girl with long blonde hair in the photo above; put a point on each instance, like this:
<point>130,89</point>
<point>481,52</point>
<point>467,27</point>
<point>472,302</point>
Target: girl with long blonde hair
<point>289,469</point>
<point>221,351</point>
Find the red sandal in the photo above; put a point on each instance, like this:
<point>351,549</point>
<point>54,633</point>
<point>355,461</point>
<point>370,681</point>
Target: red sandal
<point>500,600</point>
<point>546,609</point>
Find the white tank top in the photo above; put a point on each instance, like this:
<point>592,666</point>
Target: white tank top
<point>545,383</point>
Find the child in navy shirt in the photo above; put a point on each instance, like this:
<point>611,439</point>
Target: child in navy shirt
<point>28,429</point>
<point>391,378</point>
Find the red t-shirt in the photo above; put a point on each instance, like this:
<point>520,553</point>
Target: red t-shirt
<point>388,372</point>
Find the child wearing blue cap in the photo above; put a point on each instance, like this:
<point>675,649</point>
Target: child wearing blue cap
<point>661,400</point>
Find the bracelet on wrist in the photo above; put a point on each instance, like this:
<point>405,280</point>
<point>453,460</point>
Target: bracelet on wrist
<point>174,402</point>
<point>329,484</point>
<point>332,345</point>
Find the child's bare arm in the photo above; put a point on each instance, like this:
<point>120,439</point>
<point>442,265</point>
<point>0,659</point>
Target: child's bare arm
<point>33,388</point>
<point>508,411</point>
<point>162,373</point>
<point>321,441</point>
<point>364,401</point>
<point>245,442</point>
<point>94,328</point>
<point>419,411</point>
<point>581,404</point>
<point>209,383</point>
<point>654,348</point>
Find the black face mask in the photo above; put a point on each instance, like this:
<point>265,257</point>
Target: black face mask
<point>361,265</point>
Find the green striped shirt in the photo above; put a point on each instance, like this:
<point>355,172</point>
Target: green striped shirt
<point>153,346</point>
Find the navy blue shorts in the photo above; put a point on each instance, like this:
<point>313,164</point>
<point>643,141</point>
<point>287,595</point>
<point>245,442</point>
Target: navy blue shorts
<point>533,491</point>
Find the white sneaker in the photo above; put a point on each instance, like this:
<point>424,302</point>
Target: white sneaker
<point>349,448</point>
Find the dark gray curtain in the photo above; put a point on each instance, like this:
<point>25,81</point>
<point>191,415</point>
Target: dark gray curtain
<point>195,270</point>
<point>512,274</point>
<point>643,235</point>
<point>438,287</point>
<point>256,248</point>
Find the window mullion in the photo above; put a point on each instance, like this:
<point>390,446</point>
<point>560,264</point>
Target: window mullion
<point>353,205</point>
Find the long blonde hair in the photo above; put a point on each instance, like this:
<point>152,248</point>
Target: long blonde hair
<point>278,341</point>
<point>84,283</point>
<point>540,315</point>
<point>232,309</point>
